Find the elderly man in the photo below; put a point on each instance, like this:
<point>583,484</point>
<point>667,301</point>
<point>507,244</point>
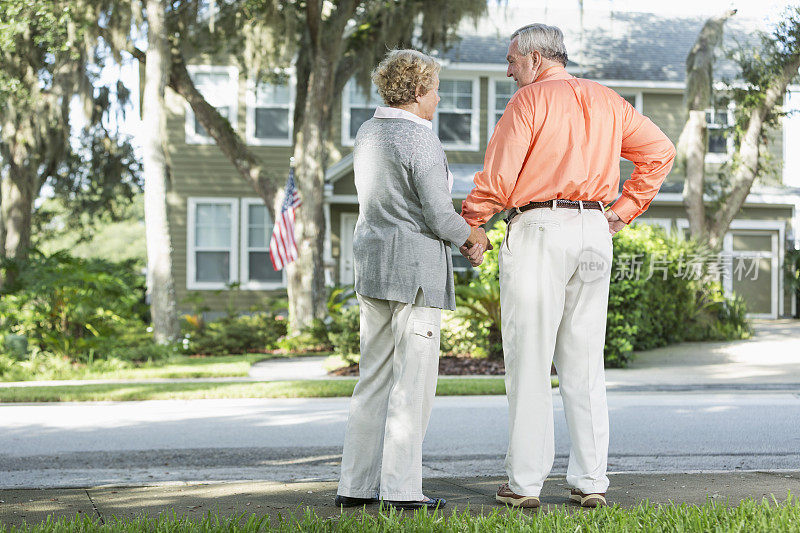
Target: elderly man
<point>553,160</point>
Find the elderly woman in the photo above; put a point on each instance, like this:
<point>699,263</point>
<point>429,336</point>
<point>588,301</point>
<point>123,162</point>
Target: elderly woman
<point>404,278</point>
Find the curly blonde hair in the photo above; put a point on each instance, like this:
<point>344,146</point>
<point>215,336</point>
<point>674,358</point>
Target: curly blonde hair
<point>402,73</point>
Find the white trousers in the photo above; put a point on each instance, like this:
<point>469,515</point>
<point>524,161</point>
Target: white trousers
<point>555,269</point>
<point>392,401</point>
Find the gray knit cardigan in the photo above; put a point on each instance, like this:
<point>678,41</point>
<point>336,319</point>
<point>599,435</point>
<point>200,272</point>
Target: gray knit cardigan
<point>406,216</point>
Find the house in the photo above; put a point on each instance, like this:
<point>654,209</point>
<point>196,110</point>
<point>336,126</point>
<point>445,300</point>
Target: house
<point>220,227</point>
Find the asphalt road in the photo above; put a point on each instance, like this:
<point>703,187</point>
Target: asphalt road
<point>89,444</point>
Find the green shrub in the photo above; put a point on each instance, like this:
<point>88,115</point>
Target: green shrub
<point>672,299</point>
<point>235,335</point>
<point>314,338</point>
<point>478,302</point>
<point>644,311</point>
<point>463,335</point>
<point>145,352</point>
<point>791,266</point>
<point>344,334</point>
<point>71,307</point>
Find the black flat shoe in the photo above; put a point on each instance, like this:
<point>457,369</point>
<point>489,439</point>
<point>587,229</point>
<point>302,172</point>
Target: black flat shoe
<point>347,501</point>
<point>430,503</point>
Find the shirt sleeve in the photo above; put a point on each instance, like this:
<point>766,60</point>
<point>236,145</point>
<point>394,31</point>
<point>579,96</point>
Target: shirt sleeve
<point>437,204</point>
<point>505,155</point>
<point>651,151</point>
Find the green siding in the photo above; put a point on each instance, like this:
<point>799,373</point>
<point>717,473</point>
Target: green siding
<point>666,110</point>
<point>204,171</point>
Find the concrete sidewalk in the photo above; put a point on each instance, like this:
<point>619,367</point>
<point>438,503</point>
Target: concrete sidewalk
<point>105,504</point>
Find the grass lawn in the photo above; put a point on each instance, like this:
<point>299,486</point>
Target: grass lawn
<point>180,366</point>
<point>749,516</point>
<point>191,391</point>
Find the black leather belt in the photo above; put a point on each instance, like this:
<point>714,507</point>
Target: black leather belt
<point>568,204</point>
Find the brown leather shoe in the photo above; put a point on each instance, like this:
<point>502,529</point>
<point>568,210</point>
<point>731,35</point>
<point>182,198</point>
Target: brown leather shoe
<point>507,496</point>
<point>596,499</point>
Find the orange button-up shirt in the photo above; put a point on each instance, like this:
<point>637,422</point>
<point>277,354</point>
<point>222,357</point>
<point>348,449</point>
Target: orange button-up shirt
<point>562,137</point>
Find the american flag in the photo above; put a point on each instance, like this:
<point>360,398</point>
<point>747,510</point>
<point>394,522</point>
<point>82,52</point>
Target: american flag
<point>282,246</point>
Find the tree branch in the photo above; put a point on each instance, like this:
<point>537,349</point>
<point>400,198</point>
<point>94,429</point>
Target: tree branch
<point>746,172</point>
<point>314,20</point>
<point>221,131</point>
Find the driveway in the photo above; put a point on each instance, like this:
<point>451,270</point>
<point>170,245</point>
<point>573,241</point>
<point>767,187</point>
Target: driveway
<point>770,360</point>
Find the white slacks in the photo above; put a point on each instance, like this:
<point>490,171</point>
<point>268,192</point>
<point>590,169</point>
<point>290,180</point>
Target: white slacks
<point>392,401</point>
<point>555,269</point>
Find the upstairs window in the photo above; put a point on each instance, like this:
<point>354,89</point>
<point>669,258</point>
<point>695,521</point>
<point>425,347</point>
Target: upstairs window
<point>219,86</point>
<point>456,117</point>
<point>270,111</point>
<point>718,124</point>
<point>500,93</point>
<point>455,121</point>
<point>357,108</point>
<point>633,98</point>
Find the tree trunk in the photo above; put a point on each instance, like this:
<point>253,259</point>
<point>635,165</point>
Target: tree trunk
<point>160,282</point>
<point>17,204</point>
<point>2,226</point>
<point>692,146</point>
<point>218,127</point>
<point>307,296</point>
<point>692,141</point>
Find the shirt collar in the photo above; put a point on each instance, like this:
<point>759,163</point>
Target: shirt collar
<point>556,72</point>
<point>396,112</point>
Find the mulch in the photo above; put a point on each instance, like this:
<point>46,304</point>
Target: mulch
<point>448,366</point>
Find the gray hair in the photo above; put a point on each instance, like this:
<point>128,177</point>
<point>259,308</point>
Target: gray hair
<point>548,40</point>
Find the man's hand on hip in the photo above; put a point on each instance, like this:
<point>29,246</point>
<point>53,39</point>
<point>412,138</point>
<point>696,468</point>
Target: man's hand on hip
<point>614,222</point>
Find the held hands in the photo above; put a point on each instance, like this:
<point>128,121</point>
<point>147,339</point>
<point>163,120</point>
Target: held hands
<point>476,246</point>
<point>614,222</point>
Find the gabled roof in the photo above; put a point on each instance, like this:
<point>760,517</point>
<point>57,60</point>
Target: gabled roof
<point>626,46</point>
<point>339,169</point>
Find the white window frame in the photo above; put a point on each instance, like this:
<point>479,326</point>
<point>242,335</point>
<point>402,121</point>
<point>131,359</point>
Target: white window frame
<point>637,95</point>
<point>251,103</point>
<point>346,139</point>
<point>191,233</point>
<point>491,108</point>
<point>244,250</point>
<point>475,112</point>
<point>233,77</point>
<point>718,158</point>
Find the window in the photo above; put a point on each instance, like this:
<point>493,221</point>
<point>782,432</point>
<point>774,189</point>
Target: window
<point>718,124</point>
<point>457,115</point>
<point>269,114</point>
<point>219,86</point>
<point>500,93</point>
<point>633,97</point>
<point>357,108</point>
<point>455,122</point>
<point>211,255</point>
<point>257,271</point>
